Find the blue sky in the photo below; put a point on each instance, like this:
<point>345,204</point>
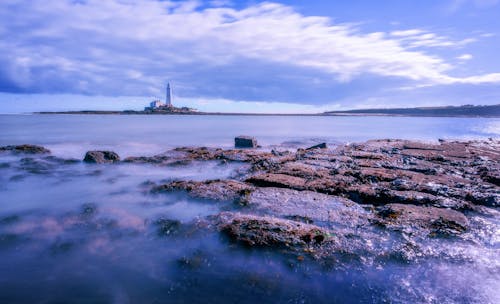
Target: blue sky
<point>248,56</point>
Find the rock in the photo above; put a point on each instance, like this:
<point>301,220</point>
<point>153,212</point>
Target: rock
<point>318,146</point>
<point>28,149</point>
<point>221,190</point>
<point>261,231</point>
<point>165,226</point>
<point>100,157</point>
<point>303,170</point>
<point>245,142</point>
<point>278,180</point>
<point>184,155</point>
<point>307,206</point>
<point>436,220</point>
<point>490,174</point>
<point>88,210</point>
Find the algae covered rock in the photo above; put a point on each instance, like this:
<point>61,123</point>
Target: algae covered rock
<point>100,157</point>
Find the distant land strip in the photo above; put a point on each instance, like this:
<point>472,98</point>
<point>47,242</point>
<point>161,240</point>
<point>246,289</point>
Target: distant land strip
<point>449,111</point>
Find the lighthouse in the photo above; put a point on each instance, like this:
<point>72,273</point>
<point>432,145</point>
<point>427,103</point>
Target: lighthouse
<point>168,97</point>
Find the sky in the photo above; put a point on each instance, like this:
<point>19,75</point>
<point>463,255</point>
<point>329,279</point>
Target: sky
<point>298,56</point>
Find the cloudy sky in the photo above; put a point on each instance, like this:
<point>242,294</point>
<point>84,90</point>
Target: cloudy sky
<point>248,56</point>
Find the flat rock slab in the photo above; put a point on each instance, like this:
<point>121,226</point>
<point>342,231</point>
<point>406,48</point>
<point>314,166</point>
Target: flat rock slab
<point>278,180</point>
<point>308,206</point>
<point>435,220</point>
<point>28,149</point>
<point>221,190</point>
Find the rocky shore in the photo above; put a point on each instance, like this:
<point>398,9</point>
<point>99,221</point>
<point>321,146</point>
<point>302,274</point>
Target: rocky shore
<point>381,199</point>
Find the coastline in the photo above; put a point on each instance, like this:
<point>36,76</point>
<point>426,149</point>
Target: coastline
<point>369,206</point>
<point>260,114</point>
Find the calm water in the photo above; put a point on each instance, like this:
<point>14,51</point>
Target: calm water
<point>73,232</point>
<point>72,135</point>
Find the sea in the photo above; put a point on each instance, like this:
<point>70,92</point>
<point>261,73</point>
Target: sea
<point>72,232</point>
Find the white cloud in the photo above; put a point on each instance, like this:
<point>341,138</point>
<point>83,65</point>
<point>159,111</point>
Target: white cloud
<point>406,33</point>
<point>465,57</point>
<point>107,46</point>
<point>417,38</point>
<point>480,79</point>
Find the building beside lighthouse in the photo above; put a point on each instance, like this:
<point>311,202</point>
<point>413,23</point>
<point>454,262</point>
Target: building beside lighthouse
<point>156,106</point>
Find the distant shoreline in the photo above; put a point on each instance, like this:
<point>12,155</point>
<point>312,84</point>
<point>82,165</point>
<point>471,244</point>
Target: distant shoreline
<point>336,114</point>
<point>466,111</point>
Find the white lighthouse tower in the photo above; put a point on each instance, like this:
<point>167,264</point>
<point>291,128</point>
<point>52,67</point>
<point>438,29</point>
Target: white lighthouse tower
<point>168,97</point>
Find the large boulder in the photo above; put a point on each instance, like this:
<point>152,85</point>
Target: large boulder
<point>29,149</point>
<point>245,142</point>
<point>261,231</point>
<point>100,157</point>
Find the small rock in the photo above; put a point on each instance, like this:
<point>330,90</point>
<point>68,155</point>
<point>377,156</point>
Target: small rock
<point>245,142</point>
<point>100,157</point>
<point>167,226</point>
<point>318,146</point>
<point>88,210</point>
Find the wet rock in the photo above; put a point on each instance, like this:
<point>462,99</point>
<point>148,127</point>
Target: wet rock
<point>185,155</point>
<point>28,149</point>
<point>300,218</point>
<point>382,196</point>
<point>448,174</point>
<point>245,142</point>
<point>490,174</point>
<point>100,157</point>
<point>318,146</point>
<point>165,226</point>
<point>303,169</point>
<point>194,261</point>
<point>10,219</point>
<point>436,220</point>
<point>278,180</point>
<point>490,198</point>
<point>37,165</point>
<point>308,206</point>
<point>271,232</point>
<point>222,190</point>
<point>88,210</point>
